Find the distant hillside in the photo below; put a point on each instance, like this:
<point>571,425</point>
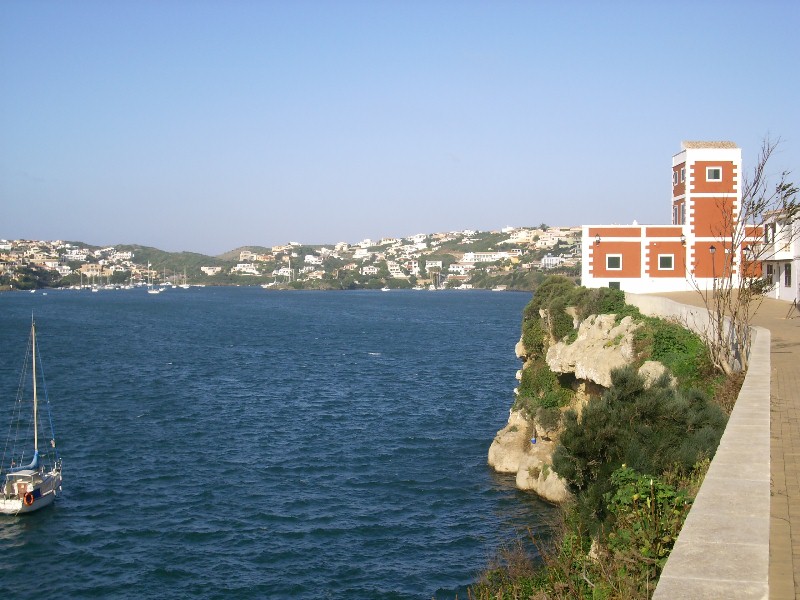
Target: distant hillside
<point>172,261</point>
<point>233,255</point>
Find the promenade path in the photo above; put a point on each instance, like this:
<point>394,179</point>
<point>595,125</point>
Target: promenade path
<point>784,538</point>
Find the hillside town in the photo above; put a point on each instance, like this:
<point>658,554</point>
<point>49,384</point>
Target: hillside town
<point>454,260</point>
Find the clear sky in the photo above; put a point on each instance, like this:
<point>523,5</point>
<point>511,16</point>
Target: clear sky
<point>209,125</point>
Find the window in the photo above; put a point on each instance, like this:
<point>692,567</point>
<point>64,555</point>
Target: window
<point>683,174</point>
<point>769,233</point>
<point>713,173</point>
<point>683,214</point>
<point>614,262</point>
<point>787,274</point>
<point>666,262</point>
<point>674,178</point>
<point>675,215</point>
<point>614,285</point>
<point>769,272</point>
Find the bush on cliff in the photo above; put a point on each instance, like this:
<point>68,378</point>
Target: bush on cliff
<point>652,430</point>
<point>541,388</point>
<point>647,514</point>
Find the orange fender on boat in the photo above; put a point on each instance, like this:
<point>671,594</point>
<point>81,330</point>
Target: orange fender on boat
<point>28,499</point>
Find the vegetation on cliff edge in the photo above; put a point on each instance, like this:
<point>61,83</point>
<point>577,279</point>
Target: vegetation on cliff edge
<point>633,460</point>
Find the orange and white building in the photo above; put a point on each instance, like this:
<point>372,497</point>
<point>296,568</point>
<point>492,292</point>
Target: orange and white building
<point>691,251</point>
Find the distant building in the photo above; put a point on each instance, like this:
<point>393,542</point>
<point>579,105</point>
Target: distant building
<point>551,262</point>
<point>484,257</point>
<point>433,264</point>
<point>461,268</point>
<point>211,271</point>
<point>245,269</point>
<point>369,270</point>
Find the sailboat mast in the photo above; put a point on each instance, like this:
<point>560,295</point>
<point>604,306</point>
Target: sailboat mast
<point>35,407</point>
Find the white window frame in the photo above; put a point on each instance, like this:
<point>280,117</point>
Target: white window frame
<point>674,178</point>
<point>708,173</point>
<point>671,262</point>
<point>609,268</point>
<point>683,174</point>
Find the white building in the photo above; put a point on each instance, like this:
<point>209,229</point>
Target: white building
<point>369,270</point>
<point>245,269</point>
<point>781,256</point>
<point>484,257</point>
<point>551,262</point>
<point>433,264</point>
<point>211,271</point>
<point>461,268</point>
<point>395,270</point>
<point>75,255</point>
<point>412,266</point>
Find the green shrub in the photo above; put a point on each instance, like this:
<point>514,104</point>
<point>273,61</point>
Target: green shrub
<point>646,517</point>
<point>540,387</point>
<point>681,351</point>
<point>548,418</point>
<point>533,337</point>
<point>560,321</point>
<point>651,430</point>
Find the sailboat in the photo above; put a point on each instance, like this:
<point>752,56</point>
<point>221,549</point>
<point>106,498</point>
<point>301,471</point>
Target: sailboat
<point>185,285</point>
<point>150,288</point>
<point>29,487</point>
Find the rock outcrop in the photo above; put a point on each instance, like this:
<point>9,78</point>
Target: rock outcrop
<point>524,447</point>
<point>602,345</point>
<point>508,448</point>
<point>536,473</point>
<point>517,449</point>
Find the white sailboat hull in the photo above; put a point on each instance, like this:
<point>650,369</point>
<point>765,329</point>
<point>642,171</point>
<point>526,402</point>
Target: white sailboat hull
<point>13,502</point>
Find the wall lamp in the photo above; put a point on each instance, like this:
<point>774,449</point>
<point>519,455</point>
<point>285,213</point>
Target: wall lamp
<point>683,240</point>
<point>712,249</point>
<point>597,240</point>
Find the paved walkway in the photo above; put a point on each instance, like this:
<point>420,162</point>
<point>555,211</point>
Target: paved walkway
<point>784,559</point>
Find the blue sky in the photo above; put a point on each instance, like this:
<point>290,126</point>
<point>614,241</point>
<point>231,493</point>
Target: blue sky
<point>205,126</point>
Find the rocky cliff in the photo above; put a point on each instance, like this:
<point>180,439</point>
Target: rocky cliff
<point>583,368</point>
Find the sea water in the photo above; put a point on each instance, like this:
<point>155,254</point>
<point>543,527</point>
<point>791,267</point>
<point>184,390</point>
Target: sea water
<point>236,442</point>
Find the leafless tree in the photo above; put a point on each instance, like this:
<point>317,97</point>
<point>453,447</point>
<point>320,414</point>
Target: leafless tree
<point>738,286</point>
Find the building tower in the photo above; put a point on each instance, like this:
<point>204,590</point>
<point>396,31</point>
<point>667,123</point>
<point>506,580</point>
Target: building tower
<point>690,252</point>
<point>706,198</point>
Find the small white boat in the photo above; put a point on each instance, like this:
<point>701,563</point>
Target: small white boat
<point>29,487</point>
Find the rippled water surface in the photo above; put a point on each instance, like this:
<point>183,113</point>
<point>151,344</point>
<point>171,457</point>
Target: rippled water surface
<point>233,442</point>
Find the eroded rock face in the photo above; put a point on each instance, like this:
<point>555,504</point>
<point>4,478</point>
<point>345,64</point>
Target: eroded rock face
<point>601,347</point>
<point>536,473</point>
<point>512,452</point>
<point>652,370</point>
<point>508,447</point>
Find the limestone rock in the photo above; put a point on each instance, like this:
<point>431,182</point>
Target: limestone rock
<point>601,346</point>
<point>510,443</point>
<point>652,370</point>
<point>536,474</point>
<point>519,349</point>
